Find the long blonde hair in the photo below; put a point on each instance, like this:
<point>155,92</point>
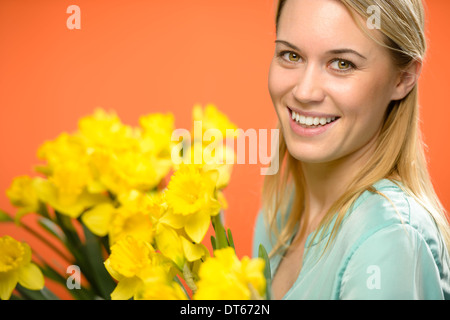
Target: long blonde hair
<point>399,154</point>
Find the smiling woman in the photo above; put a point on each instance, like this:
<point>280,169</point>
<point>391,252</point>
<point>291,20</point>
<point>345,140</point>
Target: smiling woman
<point>354,194</point>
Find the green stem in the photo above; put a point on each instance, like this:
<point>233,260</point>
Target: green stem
<point>221,240</point>
<point>48,243</point>
<point>189,278</point>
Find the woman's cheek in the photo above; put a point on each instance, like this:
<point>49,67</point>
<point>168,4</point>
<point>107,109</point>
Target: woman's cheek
<point>281,80</point>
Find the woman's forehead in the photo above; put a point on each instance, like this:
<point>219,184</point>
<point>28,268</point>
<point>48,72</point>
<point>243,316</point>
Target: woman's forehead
<point>322,23</point>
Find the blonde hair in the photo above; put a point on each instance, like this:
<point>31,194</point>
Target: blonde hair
<point>399,154</point>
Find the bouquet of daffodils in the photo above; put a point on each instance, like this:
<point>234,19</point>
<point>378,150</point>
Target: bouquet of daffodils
<point>132,221</point>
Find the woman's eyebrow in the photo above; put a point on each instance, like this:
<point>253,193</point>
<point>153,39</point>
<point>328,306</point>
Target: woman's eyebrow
<point>288,44</point>
<point>335,51</point>
<point>341,51</point>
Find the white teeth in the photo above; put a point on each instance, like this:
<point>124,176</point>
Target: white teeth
<point>311,121</point>
<point>302,119</point>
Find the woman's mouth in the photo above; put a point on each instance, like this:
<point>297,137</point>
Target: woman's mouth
<point>311,122</point>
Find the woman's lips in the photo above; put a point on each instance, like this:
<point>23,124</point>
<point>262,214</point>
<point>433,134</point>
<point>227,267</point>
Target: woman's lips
<point>310,124</point>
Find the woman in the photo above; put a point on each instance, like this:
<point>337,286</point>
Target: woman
<point>352,214</point>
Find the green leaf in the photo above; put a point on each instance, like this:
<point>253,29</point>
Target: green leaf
<point>221,236</point>
<point>101,277</point>
<point>5,217</point>
<point>262,253</point>
<point>43,210</point>
<point>213,242</point>
<point>177,280</point>
<point>49,295</point>
<point>15,297</point>
<point>52,228</point>
<point>78,249</point>
<point>51,273</point>
<point>78,294</point>
<point>82,294</point>
<point>230,239</point>
<point>44,294</point>
<point>72,240</point>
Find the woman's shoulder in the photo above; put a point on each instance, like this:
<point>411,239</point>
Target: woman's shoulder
<point>390,229</point>
<point>392,206</point>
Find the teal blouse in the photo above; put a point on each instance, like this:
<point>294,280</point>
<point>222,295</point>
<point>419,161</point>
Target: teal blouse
<point>380,252</point>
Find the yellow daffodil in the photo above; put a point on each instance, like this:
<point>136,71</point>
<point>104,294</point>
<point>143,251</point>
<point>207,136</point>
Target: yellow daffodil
<point>136,215</point>
<point>135,170</point>
<point>193,251</point>
<point>212,151</point>
<point>22,194</point>
<point>169,236</point>
<point>98,219</point>
<point>123,157</point>
<point>66,147</point>
<point>156,137</point>
<point>212,118</point>
<point>217,157</point>
<point>134,263</point>
<point>104,130</point>
<point>225,277</point>
<point>16,267</point>
<point>67,198</point>
<point>169,244</point>
<point>175,245</point>
<point>158,288</point>
<point>128,261</point>
<point>130,222</point>
<point>104,137</point>
<point>113,177</point>
<point>191,195</point>
<point>71,186</point>
<point>70,180</point>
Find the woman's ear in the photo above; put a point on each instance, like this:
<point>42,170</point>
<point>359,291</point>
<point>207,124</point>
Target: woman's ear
<point>407,79</point>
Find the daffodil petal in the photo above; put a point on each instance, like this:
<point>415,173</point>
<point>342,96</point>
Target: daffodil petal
<point>26,253</point>
<point>197,226</point>
<point>193,251</point>
<point>168,242</point>
<point>31,277</point>
<point>8,281</point>
<point>111,271</point>
<point>212,174</point>
<point>222,200</point>
<point>126,288</point>
<point>253,268</point>
<point>47,192</point>
<point>176,221</point>
<point>98,219</point>
<point>84,200</point>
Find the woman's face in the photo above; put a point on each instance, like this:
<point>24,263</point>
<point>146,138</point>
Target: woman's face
<point>329,82</point>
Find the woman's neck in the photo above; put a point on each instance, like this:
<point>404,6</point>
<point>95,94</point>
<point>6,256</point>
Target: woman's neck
<point>326,182</point>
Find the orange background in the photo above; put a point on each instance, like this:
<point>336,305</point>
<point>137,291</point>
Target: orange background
<point>138,57</point>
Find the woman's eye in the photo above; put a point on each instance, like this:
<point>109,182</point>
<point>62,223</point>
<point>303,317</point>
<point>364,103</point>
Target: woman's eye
<point>291,56</point>
<point>342,65</point>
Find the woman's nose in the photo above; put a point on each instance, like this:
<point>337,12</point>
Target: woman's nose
<point>309,85</point>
